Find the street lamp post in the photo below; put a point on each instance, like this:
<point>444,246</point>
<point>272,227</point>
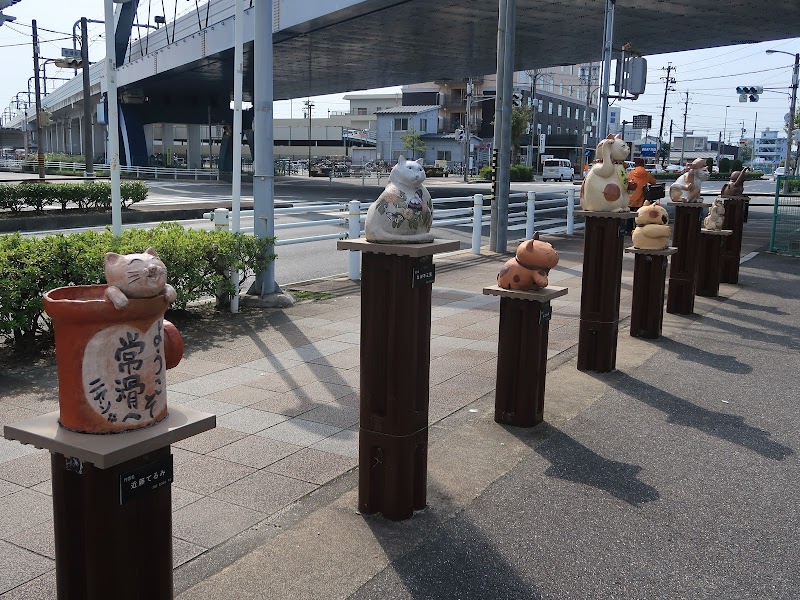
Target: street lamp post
<point>309,105</point>
<point>724,133</point>
<point>793,168</point>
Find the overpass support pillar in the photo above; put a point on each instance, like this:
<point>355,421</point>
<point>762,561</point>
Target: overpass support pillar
<point>194,152</point>
<point>149,134</point>
<point>167,142</point>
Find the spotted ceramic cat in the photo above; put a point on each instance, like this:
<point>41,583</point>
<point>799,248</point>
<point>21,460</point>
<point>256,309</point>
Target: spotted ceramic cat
<point>403,213</point>
<point>136,276</point>
<point>528,270</point>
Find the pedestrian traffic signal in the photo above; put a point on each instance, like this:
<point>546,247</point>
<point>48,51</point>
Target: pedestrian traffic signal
<point>460,135</point>
<point>517,99</point>
<point>749,92</point>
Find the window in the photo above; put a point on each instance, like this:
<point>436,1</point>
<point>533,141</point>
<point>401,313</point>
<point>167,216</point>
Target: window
<point>571,91</point>
<point>552,85</point>
<point>379,108</point>
<point>559,110</point>
<point>539,128</point>
<point>401,124</point>
<point>423,125</point>
<point>362,111</point>
<point>550,108</point>
<point>569,110</point>
<point>558,130</point>
<point>572,69</point>
<point>541,105</point>
<point>562,68</point>
<point>443,155</point>
<point>561,88</point>
<point>549,129</point>
<point>578,114</point>
<point>612,117</point>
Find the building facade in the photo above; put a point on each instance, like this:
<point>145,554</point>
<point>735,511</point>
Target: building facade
<point>770,149</point>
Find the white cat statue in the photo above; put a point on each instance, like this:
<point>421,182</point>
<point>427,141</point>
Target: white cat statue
<point>403,213</point>
<point>605,187</point>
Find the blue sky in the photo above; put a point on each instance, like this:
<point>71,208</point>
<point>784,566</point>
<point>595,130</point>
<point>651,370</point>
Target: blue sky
<point>710,76</point>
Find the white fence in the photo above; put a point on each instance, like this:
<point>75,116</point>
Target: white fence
<point>147,172</point>
<point>547,213</point>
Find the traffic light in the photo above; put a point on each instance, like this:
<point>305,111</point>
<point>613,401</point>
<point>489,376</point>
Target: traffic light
<point>516,99</point>
<point>4,4</point>
<point>460,135</point>
<point>69,63</point>
<point>749,92</point>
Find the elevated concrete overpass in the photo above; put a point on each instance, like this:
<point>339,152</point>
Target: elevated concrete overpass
<point>184,71</point>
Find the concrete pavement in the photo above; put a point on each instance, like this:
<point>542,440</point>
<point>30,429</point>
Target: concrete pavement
<point>668,478</point>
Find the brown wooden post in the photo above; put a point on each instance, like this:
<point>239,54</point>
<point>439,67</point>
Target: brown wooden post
<point>396,284</point>
<point>112,504</point>
<point>683,265</point>
<point>647,306</point>
<point>708,261</point>
<point>600,289</point>
<point>522,354</point>
<point>732,245</point>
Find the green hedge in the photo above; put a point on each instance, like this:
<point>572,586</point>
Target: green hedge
<point>197,265</point>
<point>35,195</point>
<point>521,173</point>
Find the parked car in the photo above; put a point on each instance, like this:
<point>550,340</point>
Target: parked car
<point>629,165</point>
<point>653,168</point>
<point>674,169</point>
<point>557,168</point>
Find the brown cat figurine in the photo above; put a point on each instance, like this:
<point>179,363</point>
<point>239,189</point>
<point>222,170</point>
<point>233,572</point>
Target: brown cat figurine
<point>528,270</point>
<point>136,276</point>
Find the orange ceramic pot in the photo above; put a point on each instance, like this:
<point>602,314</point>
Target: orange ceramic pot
<point>111,363</point>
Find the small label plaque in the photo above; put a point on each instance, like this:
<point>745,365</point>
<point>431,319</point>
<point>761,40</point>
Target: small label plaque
<point>145,479</point>
<point>423,272</point>
<point>545,314</point>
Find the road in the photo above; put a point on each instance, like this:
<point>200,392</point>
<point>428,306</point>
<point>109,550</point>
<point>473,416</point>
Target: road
<point>313,260</point>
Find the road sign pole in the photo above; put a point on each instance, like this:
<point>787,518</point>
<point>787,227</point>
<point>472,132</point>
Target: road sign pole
<point>88,130</point>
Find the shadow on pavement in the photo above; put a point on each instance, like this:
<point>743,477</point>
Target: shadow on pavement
<point>731,428</point>
<point>750,306</point>
<point>721,362</point>
<point>572,461</point>
<point>457,561</point>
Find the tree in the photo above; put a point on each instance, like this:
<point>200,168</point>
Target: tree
<point>664,152</point>
<point>745,152</point>
<point>520,119</point>
<point>412,142</point>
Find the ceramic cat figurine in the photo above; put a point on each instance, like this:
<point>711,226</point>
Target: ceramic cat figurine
<point>687,187</point>
<point>136,276</point>
<point>716,215</point>
<point>529,269</point>
<point>605,187</point>
<point>403,213</point>
<point>735,186</point>
<point>652,230</point>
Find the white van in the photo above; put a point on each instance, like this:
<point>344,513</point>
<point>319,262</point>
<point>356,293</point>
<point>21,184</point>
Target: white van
<point>557,168</point>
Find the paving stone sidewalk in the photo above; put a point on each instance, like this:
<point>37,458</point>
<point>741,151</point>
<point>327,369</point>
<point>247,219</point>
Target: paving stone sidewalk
<point>284,387</point>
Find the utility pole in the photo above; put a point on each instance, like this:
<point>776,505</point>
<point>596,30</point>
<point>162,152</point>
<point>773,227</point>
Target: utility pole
<point>608,39</point>
<point>467,131</point>
<point>795,76</point>
<point>40,154</point>
<point>88,139</point>
<point>309,105</point>
<point>667,82</point>
<point>683,139</point>
<point>669,151</point>
<point>755,129</point>
<point>588,76</point>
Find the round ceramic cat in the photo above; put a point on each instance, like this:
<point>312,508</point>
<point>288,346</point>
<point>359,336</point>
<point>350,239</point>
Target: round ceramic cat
<point>403,213</point>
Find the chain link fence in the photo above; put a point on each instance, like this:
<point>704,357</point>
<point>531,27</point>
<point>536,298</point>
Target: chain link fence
<point>785,238</point>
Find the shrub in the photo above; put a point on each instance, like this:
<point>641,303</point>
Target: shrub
<point>725,165</point>
<point>198,264</point>
<point>710,164</point>
<point>97,194</point>
<point>521,173</point>
<point>485,173</point>
<point>737,165</point>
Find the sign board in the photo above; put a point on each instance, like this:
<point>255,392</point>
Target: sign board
<point>70,53</point>
<point>587,153</point>
<point>546,313</point>
<point>423,272</point>
<point>642,121</point>
<point>648,150</point>
<point>545,157</point>
<point>542,139</point>
<point>145,479</point>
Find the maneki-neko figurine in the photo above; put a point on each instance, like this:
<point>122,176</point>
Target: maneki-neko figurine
<point>113,346</point>
<point>528,270</point>
<point>605,187</point>
<point>652,230</point>
<point>687,187</point>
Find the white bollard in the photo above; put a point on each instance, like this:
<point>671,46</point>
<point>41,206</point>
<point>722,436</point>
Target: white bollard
<point>571,211</point>
<point>221,218</point>
<point>530,215</point>
<point>235,296</point>
<point>354,232</point>
<point>477,223</point>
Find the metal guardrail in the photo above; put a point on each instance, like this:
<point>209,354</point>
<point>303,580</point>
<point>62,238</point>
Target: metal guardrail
<point>548,213</point>
<point>139,172</point>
